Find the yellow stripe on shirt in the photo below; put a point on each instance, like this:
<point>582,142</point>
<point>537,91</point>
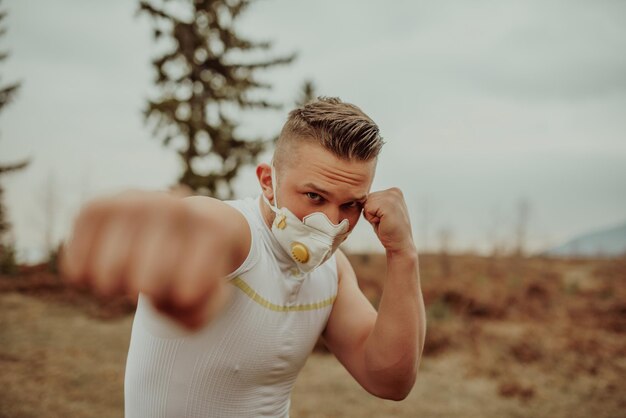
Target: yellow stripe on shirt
<point>252,294</point>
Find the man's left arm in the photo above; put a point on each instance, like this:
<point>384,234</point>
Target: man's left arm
<point>382,350</point>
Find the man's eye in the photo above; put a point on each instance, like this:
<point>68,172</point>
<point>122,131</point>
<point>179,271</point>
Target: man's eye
<point>314,196</point>
<point>353,205</point>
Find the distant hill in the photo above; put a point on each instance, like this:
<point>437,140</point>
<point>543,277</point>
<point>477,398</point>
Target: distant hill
<point>609,242</point>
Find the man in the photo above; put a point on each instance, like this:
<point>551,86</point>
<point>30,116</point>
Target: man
<point>255,282</point>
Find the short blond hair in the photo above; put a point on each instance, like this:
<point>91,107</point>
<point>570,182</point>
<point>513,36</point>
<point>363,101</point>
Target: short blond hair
<point>341,128</point>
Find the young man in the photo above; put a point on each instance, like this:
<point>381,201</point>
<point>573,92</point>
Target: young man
<point>255,282</point>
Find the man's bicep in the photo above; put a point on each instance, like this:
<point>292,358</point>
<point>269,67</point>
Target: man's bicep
<point>351,320</point>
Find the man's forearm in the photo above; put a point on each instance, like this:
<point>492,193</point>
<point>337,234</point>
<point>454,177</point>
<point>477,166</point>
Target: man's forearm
<point>393,349</point>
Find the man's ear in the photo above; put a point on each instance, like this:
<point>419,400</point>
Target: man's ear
<point>264,175</point>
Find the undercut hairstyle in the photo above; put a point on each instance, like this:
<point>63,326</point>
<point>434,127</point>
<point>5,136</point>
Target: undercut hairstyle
<point>341,128</point>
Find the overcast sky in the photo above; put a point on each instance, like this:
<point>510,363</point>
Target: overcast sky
<point>481,103</point>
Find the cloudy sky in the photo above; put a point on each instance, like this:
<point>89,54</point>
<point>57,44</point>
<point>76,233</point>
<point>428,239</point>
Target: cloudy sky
<point>483,104</point>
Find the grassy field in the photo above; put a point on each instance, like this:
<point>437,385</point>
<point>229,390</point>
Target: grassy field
<point>506,338</point>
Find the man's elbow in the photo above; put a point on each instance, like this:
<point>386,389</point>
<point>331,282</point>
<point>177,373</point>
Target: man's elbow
<point>396,389</point>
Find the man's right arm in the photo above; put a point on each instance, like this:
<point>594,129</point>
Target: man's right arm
<point>237,238</point>
<point>174,250</point>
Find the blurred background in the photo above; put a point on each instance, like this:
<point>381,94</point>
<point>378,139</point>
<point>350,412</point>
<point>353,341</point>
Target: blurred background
<point>505,127</point>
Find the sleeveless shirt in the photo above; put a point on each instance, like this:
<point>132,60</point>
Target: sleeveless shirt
<point>245,361</point>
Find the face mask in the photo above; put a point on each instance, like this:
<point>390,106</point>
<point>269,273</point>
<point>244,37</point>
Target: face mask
<point>309,242</point>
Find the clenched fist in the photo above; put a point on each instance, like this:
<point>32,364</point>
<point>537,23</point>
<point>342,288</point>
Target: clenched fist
<point>175,251</point>
<point>386,211</point>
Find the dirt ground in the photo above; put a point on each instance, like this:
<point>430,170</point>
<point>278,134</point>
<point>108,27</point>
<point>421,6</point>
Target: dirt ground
<point>506,338</point>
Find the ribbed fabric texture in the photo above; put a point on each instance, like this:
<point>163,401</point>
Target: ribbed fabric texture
<point>245,362</point>
<point>147,384</point>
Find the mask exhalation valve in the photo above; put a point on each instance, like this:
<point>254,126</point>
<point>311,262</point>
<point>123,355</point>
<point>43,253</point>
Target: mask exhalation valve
<point>299,252</point>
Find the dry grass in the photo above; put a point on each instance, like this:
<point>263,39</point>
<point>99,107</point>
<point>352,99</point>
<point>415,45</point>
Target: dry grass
<point>506,338</point>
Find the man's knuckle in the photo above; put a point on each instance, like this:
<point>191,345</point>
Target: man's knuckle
<point>97,207</point>
<point>179,215</point>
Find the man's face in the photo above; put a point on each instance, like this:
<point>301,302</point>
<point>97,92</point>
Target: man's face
<point>315,180</point>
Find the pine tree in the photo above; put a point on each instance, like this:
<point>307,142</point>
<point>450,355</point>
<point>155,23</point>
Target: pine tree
<point>202,81</point>
<point>5,226</point>
<point>7,250</point>
<point>307,94</point>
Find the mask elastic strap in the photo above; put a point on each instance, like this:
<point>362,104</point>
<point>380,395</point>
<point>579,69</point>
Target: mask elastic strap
<point>274,184</point>
<point>273,207</point>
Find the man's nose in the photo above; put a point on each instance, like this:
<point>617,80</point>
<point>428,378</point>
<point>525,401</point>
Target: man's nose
<point>334,215</point>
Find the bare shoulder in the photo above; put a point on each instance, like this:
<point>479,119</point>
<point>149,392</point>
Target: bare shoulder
<point>214,208</point>
<point>345,271</point>
<point>232,224</point>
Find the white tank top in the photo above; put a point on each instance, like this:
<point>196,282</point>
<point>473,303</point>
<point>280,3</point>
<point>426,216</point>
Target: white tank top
<point>243,363</point>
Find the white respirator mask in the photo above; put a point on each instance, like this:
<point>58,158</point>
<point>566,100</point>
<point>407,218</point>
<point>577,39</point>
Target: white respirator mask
<point>310,241</point>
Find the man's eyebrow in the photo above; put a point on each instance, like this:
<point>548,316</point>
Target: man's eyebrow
<point>324,192</point>
<point>317,189</point>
